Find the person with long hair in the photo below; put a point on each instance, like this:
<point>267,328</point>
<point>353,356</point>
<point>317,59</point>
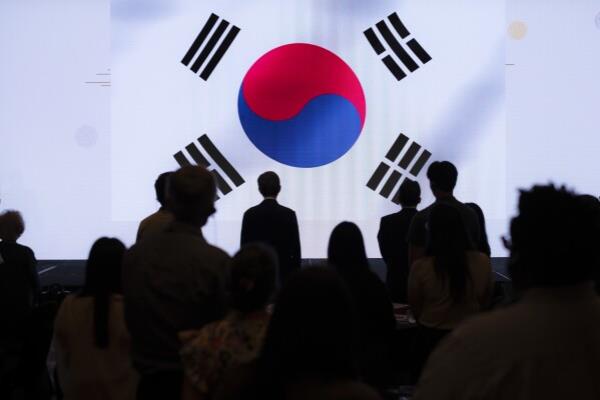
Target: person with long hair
<point>91,339</point>
<point>375,312</point>
<point>309,349</point>
<point>450,284</point>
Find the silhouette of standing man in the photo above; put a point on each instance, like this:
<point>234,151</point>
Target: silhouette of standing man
<point>273,224</point>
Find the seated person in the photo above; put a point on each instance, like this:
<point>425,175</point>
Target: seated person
<point>91,339</point>
<point>448,285</point>
<point>208,353</point>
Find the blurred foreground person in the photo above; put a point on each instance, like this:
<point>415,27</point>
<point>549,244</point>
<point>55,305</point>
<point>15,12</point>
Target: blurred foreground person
<point>547,346</point>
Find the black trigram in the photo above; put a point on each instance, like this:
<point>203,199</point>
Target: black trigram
<point>398,160</point>
<point>209,45</point>
<point>392,42</point>
<point>224,185</point>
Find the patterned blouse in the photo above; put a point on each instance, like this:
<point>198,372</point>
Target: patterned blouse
<point>220,346</point>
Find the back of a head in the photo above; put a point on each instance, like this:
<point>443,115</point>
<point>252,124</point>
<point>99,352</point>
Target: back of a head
<point>269,184</point>
<point>103,277</point>
<point>554,239</point>
<point>346,250</point>
<point>12,225</point>
<point>409,193</point>
<point>311,333</point>
<point>160,186</point>
<point>103,268</point>
<point>253,272</point>
<point>442,176</point>
<point>192,191</point>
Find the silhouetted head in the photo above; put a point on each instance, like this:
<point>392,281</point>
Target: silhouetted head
<point>448,244</point>
<point>160,186</point>
<point>269,184</point>
<point>346,251</point>
<point>12,226</point>
<point>442,177</point>
<point>554,238</point>
<point>103,277</point>
<point>409,193</point>
<point>103,268</point>
<point>192,192</point>
<point>311,333</point>
<point>483,245</point>
<point>253,271</point>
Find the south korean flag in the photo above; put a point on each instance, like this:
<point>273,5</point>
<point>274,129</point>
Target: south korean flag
<point>344,99</point>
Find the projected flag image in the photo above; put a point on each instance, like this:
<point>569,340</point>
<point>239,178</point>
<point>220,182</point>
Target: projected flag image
<point>218,161</point>
<point>391,42</point>
<point>299,89</point>
<point>205,42</point>
<point>405,157</point>
<point>301,105</point>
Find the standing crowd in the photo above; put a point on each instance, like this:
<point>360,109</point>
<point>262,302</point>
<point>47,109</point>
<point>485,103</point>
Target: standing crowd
<point>174,317</point>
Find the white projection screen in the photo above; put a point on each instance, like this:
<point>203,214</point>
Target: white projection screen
<point>98,98</point>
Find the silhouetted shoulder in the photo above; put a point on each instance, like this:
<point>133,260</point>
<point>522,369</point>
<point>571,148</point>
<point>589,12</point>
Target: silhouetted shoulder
<point>287,210</point>
<point>252,210</point>
<point>217,253</point>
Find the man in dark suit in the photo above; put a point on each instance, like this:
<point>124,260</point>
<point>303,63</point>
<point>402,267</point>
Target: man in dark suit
<point>273,224</point>
<point>393,240</point>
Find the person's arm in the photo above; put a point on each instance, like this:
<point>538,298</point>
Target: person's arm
<point>488,293</point>
<point>383,240</point>
<point>295,252</point>
<point>415,291</point>
<point>245,234</point>
<point>34,278</point>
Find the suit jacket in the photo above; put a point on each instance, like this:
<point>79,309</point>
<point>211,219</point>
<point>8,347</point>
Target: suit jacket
<point>277,226</point>
<point>393,243</point>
